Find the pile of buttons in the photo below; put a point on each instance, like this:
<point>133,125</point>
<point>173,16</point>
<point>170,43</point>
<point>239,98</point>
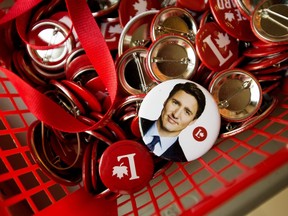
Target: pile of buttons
<point>234,51</point>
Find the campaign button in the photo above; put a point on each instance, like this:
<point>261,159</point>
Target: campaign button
<point>174,21</point>
<point>246,7</point>
<point>49,33</point>
<point>63,17</point>
<point>86,169</point>
<point>268,104</point>
<point>229,17</point>
<point>179,120</point>
<point>237,93</point>
<point>84,95</point>
<point>136,33</point>
<point>131,8</point>
<point>126,167</point>
<point>131,70</point>
<point>102,8</point>
<point>264,51</point>
<point>135,127</point>
<point>171,57</point>
<point>206,17</point>
<point>200,5</point>
<point>269,21</point>
<point>216,49</point>
<point>265,62</point>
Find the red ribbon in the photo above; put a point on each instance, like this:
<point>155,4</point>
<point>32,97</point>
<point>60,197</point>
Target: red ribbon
<point>19,7</point>
<point>97,51</point>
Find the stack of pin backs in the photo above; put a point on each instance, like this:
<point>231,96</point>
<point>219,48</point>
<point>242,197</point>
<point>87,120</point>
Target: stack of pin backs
<point>189,72</point>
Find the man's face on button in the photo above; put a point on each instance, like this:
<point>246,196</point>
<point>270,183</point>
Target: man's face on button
<point>178,112</point>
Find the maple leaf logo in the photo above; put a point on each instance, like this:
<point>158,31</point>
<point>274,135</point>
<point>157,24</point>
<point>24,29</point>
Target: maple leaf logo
<point>222,40</point>
<point>120,171</point>
<point>140,6</point>
<point>229,16</point>
<point>116,29</point>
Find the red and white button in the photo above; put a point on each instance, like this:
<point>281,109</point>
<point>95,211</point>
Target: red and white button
<point>216,49</point>
<point>229,17</point>
<point>126,167</point>
<point>130,8</point>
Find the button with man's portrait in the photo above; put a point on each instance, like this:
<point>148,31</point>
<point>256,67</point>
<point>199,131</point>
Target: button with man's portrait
<point>179,120</point>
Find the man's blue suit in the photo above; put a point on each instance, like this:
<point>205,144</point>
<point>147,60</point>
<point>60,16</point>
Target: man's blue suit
<point>174,152</point>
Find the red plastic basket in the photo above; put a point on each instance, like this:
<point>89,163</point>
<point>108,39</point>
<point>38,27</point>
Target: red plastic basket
<point>231,166</point>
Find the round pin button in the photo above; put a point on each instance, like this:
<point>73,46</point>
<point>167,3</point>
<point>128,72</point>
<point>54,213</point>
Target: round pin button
<point>131,71</point>
<point>200,5</point>
<point>136,33</point>
<point>269,21</point>
<point>233,128</point>
<point>246,7</point>
<point>171,57</point>
<point>229,17</point>
<point>237,93</point>
<point>216,49</point>
<point>131,8</point>
<point>264,51</point>
<point>102,8</point>
<point>179,120</point>
<point>126,167</point>
<point>267,61</point>
<point>47,33</point>
<point>173,20</point>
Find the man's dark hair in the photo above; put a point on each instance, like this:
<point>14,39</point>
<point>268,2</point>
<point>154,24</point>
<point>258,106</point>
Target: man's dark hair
<point>192,89</point>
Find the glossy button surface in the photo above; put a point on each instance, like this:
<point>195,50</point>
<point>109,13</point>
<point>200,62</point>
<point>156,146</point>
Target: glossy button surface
<point>269,21</point>
<point>136,33</point>
<point>101,8</point>
<point>264,51</point>
<point>247,7</point>
<point>267,61</point>
<point>183,115</point>
<point>131,8</point>
<point>132,72</point>
<point>170,57</point>
<point>237,93</point>
<point>215,47</point>
<point>229,17</point>
<point>200,5</point>
<point>126,167</point>
<point>47,33</point>
<point>173,20</point>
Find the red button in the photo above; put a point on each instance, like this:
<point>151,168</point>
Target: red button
<point>264,51</point>
<point>229,17</point>
<point>130,8</point>
<point>84,95</point>
<point>86,169</point>
<point>216,49</point>
<point>126,167</point>
<point>135,127</point>
<point>265,62</point>
<point>199,5</point>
